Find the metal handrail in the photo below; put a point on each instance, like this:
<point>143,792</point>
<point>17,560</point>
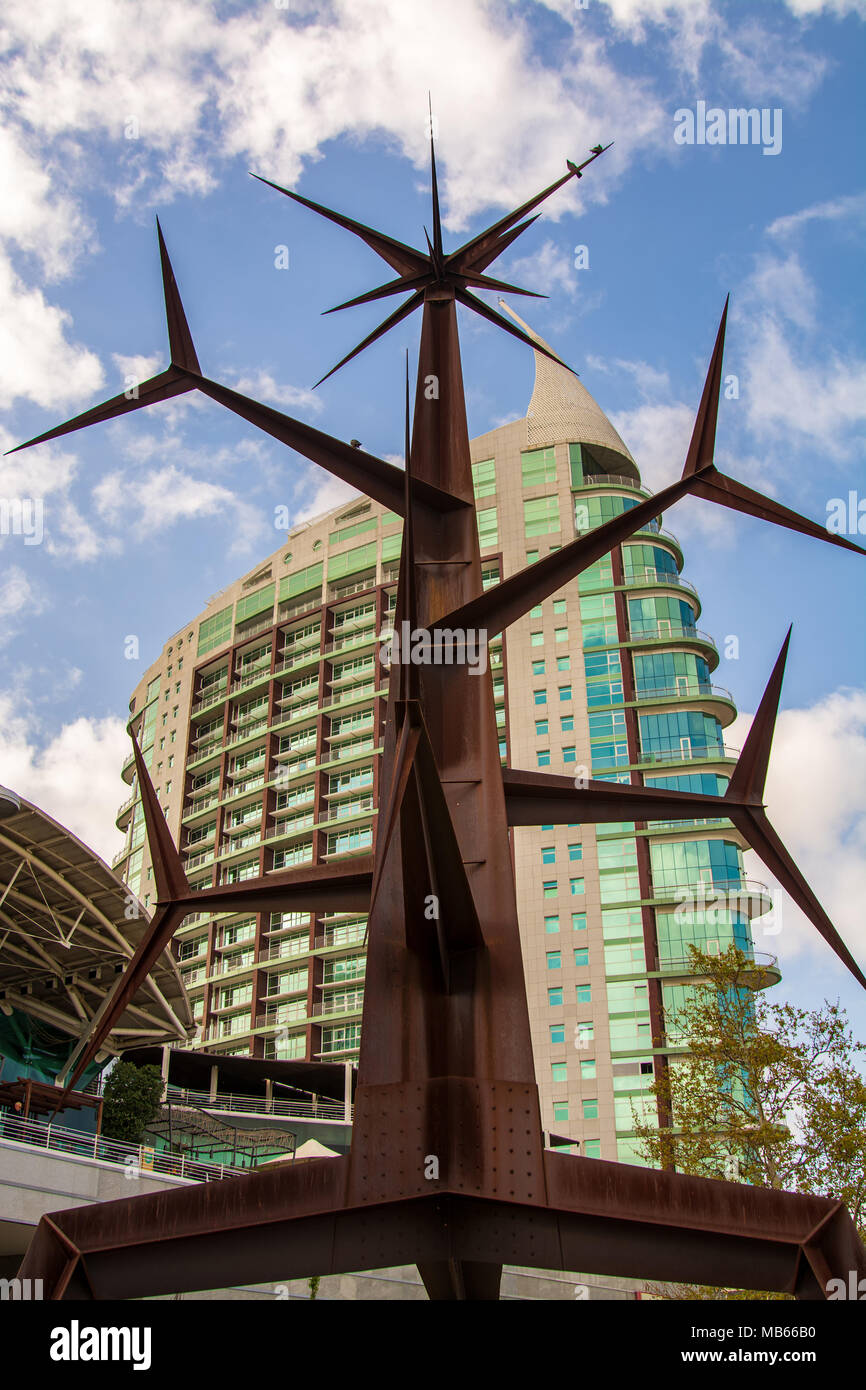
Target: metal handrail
<point>257,1105</point>
<point>692,691</point>
<point>78,1144</point>
<point>657,632</point>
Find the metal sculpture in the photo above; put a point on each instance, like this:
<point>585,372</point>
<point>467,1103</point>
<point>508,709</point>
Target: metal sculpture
<point>447,1167</point>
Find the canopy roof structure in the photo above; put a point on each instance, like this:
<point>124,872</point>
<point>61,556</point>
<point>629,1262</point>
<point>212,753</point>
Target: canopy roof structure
<point>66,934</point>
<point>447,1167</point>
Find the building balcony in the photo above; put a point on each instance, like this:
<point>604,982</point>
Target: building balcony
<point>765,973</point>
<point>208,701</point>
<point>750,898</point>
<point>594,480</point>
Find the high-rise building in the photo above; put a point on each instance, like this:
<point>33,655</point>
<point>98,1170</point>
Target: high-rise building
<point>261,725</point>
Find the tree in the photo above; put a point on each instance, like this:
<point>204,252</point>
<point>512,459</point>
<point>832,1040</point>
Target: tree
<point>767,1093</point>
<point>131,1101</point>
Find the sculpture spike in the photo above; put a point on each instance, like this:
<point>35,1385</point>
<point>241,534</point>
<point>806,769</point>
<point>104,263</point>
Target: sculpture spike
<point>181,347</point>
<point>168,873</point>
<point>750,774</point>
<point>703,442</point>
<point>404,259</point>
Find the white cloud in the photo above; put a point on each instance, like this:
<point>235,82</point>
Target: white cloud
<point>165,497</point>
<point>816,800</point>
<point>838,9</point>
<point>18,600</point>
<point>548,270</point>
<point>849,208</point>
<point>262,386</point>
<point>799,391</point>
<point>37,360</point>
<point>74,776</point>
<point>137,367</point>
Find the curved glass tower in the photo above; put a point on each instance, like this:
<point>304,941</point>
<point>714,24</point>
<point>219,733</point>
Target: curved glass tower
<point>262,732</point>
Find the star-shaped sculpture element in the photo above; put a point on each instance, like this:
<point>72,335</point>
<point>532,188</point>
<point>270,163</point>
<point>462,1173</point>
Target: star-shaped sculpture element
<point>434,274</point>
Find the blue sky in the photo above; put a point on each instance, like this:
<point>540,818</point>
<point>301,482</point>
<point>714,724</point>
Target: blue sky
<point>146,518</point>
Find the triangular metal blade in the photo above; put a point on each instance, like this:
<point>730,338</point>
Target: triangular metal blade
<point>169,877</point>
<point>471,255</point>
<point>402,285</point>
<point>404,259</point>
<point>158,933</point>
<point>505,603</point>
<point>389,810</point>
<point>486,282</point>
<point>159,388</point>
<point>485,311</point>
<point>544,798</point>
<point>755,827</point>
<point>179,337</point>
<point>369,474</point>
<point>494,251</point>
<point>718,487</point>
<point>458,927</point>
<point>750,774</point>
<point>701,449</point>
<point>397,317</point>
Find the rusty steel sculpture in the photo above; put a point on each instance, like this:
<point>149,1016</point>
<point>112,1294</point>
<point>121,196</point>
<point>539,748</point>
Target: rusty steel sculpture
<point>446,1068</point>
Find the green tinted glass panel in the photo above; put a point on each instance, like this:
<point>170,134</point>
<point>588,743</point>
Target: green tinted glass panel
<point>345,533</point>
<point>541,516</point>
<point>298,583</point>
<point>214,631</point>
<point>391,546</point>
<point>484,477</point>
<point>259,602</point>
<point>538,466</point>
<point>360,557</point>
<point>488,528</point>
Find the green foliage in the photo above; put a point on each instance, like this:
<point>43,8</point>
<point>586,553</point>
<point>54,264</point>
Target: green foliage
<point>767,1094</point>
<point>131,1101</point>
<point>315,1280</point>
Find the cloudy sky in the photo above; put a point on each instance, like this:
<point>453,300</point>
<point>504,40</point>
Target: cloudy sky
<point>114,110</point>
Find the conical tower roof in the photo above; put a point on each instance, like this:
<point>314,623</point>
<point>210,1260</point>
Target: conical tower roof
<point>562,410</point>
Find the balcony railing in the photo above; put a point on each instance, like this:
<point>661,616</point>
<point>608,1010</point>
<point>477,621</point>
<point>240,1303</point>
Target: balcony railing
<point>667,632</point>
<point>614,480</point>
<point>148,1161</point>
<point>640,577</point>
<point>259,1105</point>
<point>690,690</point>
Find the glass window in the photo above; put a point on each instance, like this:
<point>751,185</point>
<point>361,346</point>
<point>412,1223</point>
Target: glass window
<point>554,996</point>
<point>590,1109</point>
<point>538,466</point>
<point>558,1071</point>
<point>568,754</point>
<point>559,606</point>
<point>543,757</point>
<point>551,925</point>
<point>540,697</point>
<point>538,668</point>
<point>566,724</point>
<point>578,921</point>
<point>563,663</point>
<point>560,1110</point>
<point>557,1032</point>
<point>548,854</point>
<point>575,851</point>
<point>550,888</point>
<point>581,955</point>
<point>541,727</point>
<point>554,960</point>
<point>592,1148</point>
<point>560,634</point>
<point>488,529</point>
<point>587,1071</point>
<point>484,477</point>
<point>565,692</point>
<point>584,994</point>
<point>541,516</point>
